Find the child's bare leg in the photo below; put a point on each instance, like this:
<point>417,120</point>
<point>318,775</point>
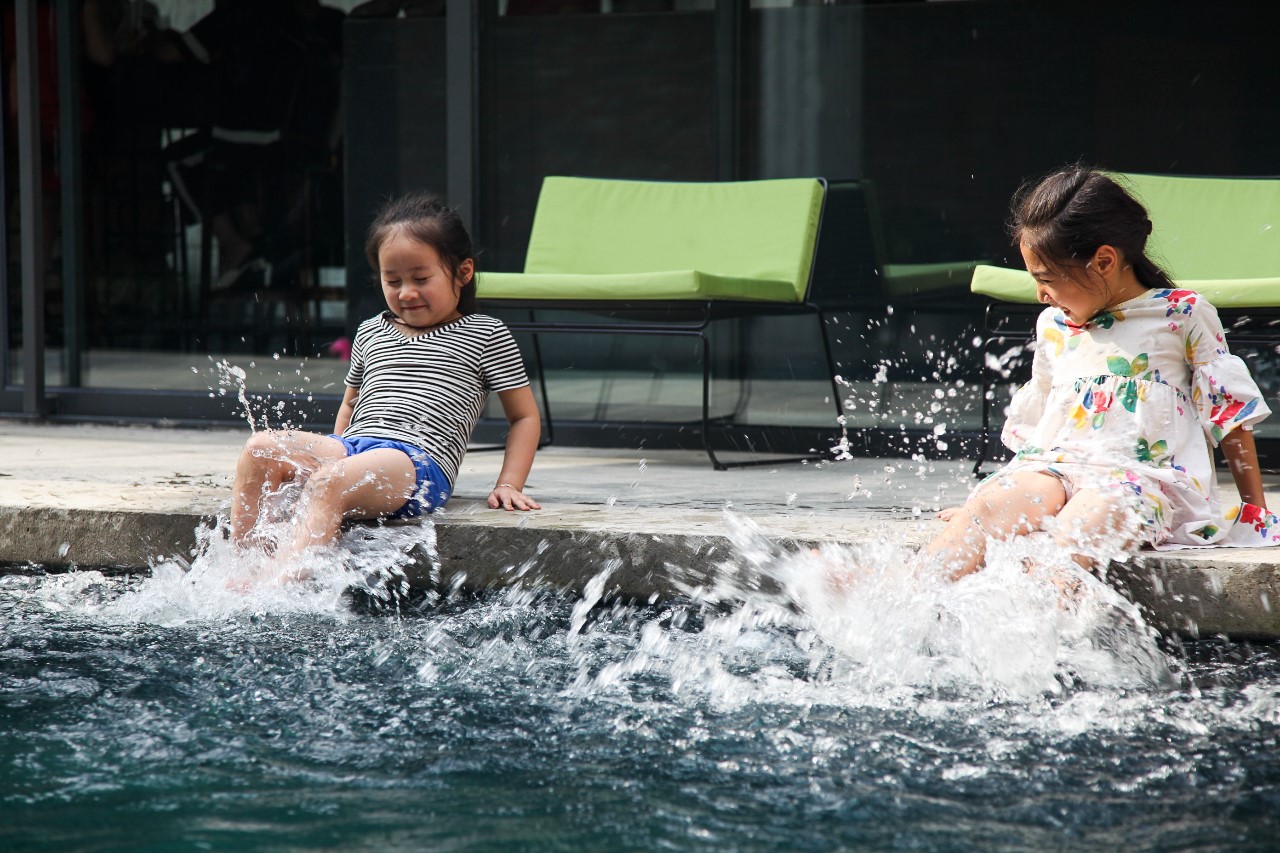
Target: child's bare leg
<point>1011,506</point>
<point>1094,521</point>
<point>363,486</point>
<point>271,458</point>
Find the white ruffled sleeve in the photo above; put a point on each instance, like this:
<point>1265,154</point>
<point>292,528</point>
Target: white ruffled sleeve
<point>1028,403</point>
<point>1222,389</point>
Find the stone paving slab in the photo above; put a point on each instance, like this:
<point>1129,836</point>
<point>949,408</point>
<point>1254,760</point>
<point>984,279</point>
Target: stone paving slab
<point>120,497</point>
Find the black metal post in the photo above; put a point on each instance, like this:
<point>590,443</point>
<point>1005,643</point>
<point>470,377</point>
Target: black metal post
<point>73,296</point>
<point>6,339</point>
<point>31,208</point>
<point>728,106</point>
<point>462,26</point>
<point>716,464</point>
<point>550,436</point>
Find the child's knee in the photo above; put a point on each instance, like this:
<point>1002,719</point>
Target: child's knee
<point>325,483</point>
<point>968,520</point>
<point>262,445</point>
<point>335,485</point>
<point>996,522</point>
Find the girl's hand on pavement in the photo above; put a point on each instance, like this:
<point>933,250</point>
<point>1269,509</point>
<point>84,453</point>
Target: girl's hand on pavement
<point>510,498</point>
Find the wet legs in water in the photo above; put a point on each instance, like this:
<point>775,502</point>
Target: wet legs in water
<point>1092,521</point>
<point>335,486</point>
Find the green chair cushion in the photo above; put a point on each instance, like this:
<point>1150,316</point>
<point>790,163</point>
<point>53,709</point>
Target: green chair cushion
<point>915,279</point>
<point>670,285</point>
<point>1003,284</point>
<point>1007,285</point>
<point>745,231</point>
<point>1214,229</point>
<point>1238,293</point>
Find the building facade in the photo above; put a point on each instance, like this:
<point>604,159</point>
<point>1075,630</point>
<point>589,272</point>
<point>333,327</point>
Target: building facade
<point>187,186</point>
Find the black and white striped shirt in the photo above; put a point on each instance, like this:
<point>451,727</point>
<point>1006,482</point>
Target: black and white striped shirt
<point>429,390</point>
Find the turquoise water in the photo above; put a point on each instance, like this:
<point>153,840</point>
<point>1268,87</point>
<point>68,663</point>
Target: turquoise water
<point>169,713</point>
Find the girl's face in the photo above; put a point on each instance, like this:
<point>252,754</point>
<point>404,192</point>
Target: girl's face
<point>417,286</point>
<point>1081,294</point>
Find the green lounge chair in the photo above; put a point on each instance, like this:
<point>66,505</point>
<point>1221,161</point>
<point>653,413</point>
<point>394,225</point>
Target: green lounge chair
<point>657,258</point>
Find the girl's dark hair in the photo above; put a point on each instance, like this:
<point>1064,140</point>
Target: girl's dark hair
<point>426,218</point>
<point>1066,216</point>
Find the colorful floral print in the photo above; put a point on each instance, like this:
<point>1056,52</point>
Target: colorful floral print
<point>1152,451</point>
<point>1180,301</point>
<point>1121,366</point>
<point>1128,400</point>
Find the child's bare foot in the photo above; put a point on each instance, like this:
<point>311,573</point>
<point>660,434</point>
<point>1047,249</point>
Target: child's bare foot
<point>245,583</point>
<point>248,571</point>
<point>839,578</point>
<point>299,566</point>
<point>293,574</point>
<point>1070,587</point>
<point>271,573</point>
<point>241,584</point>
<point>248,580</point>
<point>948,513</point>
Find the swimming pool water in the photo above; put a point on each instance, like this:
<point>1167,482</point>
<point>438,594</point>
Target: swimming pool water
<point>145,714</point>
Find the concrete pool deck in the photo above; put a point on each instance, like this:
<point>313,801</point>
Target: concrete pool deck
<point>121,497</point>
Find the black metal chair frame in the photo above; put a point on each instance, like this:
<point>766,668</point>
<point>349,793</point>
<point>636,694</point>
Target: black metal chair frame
<point>707,312</point>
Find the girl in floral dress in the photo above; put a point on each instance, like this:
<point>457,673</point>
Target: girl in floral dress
<point>1132,383</point>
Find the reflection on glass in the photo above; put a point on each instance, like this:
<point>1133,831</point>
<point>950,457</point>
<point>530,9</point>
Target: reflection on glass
<point>226,182</point>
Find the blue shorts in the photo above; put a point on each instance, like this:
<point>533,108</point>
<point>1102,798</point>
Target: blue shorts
<point>432,490</point>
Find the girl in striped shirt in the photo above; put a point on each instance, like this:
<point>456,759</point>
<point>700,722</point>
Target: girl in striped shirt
<point>420,375</point>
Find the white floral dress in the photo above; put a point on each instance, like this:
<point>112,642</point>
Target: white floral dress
<point>1133,400</point>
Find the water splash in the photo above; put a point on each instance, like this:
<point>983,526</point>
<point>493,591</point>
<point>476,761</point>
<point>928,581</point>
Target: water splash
<point>913,397</point>
<point>230,378</point>
<point>295,395</point>
<point>847,624</point>
<point>224,583</point>
<point>841,624</point>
